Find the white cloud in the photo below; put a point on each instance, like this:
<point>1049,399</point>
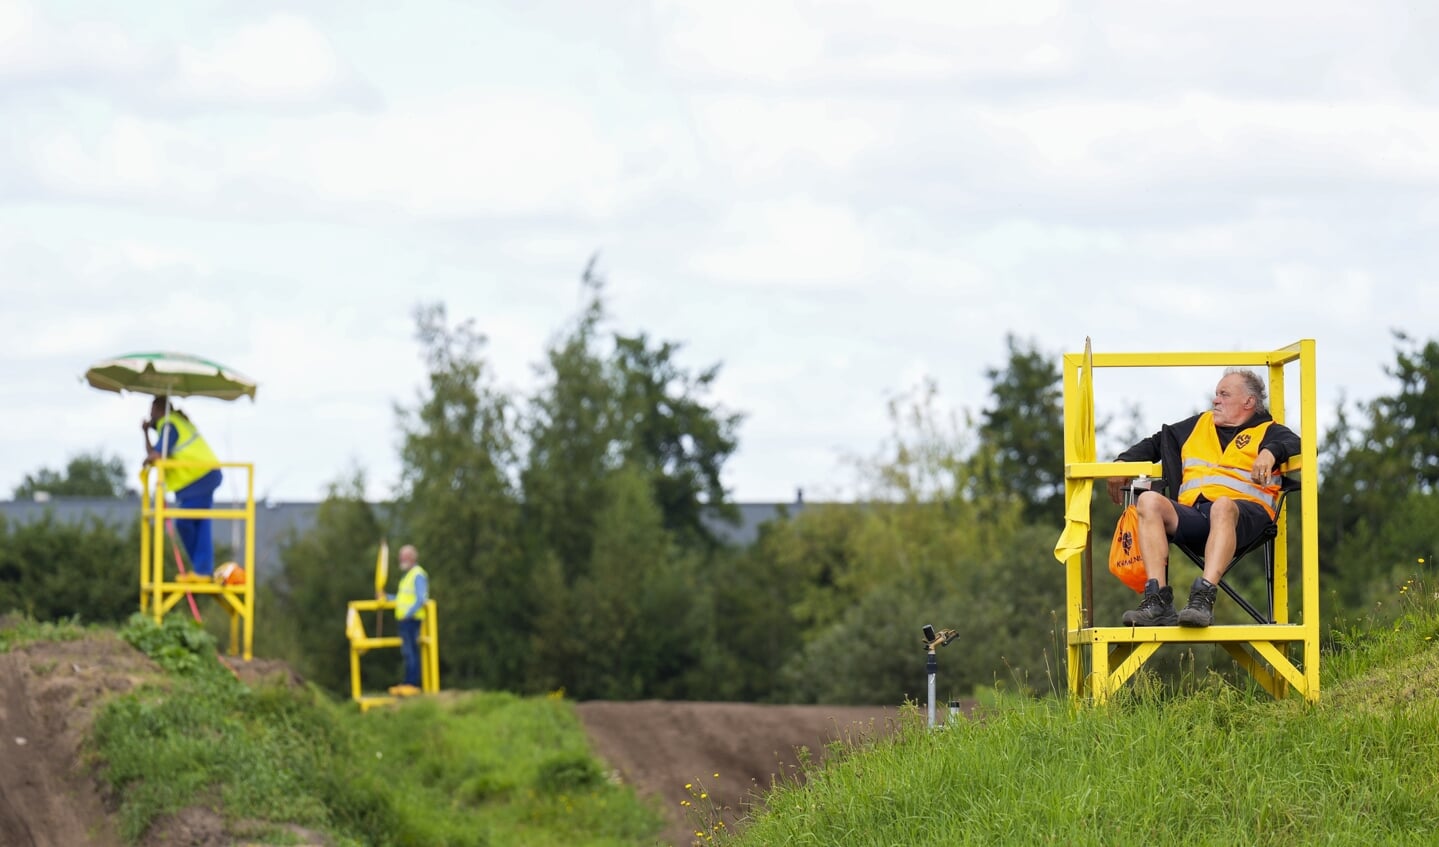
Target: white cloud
<point>481,153</point>
<point>283,59</point>
<point>33,48</point>
<point>863,42</point>
<point>794,242</point>
<point>798,135</point>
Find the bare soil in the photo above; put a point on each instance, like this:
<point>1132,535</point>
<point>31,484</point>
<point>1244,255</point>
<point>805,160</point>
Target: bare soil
<point>701,763</point>
<point>674,752</point>
<point>47,695</point>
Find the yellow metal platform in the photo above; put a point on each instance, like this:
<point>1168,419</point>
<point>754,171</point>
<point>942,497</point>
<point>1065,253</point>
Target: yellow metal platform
<point>362,643</point>
<point>160,593</point>
<point>1102,658</point>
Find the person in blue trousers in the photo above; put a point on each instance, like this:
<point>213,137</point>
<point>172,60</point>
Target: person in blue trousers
<point>410,601</point>
<point>193,485</point>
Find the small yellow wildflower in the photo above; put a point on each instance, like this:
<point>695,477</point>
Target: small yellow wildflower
<point>689,785</point>
<point>703,795</point>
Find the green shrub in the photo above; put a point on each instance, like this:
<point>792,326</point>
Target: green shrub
<point>568,772</point>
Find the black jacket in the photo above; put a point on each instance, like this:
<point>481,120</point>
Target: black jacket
<point>1164,446</point>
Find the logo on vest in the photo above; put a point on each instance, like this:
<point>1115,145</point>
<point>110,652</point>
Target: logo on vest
<point>1242,441</point>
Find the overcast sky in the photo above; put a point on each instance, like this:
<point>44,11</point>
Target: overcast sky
<point>834,201</point>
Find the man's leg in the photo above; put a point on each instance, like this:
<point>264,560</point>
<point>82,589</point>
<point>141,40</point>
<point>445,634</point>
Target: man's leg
<point>1219,546</point>
<point>1157,519</point>
<point>198,535</point>
<point>410,649</point>
<point>185,530</point>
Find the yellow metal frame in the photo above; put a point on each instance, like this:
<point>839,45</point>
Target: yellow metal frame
<point>1115,653</point>
<point>361,643</point>
<point>158,595</point>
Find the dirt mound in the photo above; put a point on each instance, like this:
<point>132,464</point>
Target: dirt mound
<point>659,747</point>
<point>47,702</point>
<point>49,694</point>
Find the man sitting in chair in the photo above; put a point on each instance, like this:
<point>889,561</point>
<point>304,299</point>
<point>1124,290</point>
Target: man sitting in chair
<point>1223,462</point>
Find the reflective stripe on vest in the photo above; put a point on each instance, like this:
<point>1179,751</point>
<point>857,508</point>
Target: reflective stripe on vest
<point>405,595</point>
<point>1215,473</point>
<point>190,448</point>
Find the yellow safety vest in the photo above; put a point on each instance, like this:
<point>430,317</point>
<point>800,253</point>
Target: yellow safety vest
<point>405,596</point>
<point>190,448</point>
<point>1215,473</point>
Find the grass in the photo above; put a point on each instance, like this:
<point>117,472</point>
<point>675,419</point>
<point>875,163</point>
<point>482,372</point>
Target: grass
<point>19,630</point>
<point>467,770</point>
<point>1212,764</point>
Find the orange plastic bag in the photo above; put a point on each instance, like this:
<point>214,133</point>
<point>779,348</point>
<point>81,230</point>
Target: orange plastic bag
<point>1125,560</point>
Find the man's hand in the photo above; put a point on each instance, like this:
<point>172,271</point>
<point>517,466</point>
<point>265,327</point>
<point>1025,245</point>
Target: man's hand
<point>1116,488</point>
<point>1263,467</point>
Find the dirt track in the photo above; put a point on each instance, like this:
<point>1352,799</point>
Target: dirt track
<point>659,747</point>
<point>48,691</point>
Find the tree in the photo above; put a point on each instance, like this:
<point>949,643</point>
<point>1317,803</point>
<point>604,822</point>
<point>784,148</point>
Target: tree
<point>625,454</point>
<point>622,402</point>
<point>1379,465</point>
<point>52,569</point>
<point>86,475</point>
<point>679,441</point>
<point>572,428</point>
<point>1024,426</point>
<point>459,506</point>
<point>637,623</point>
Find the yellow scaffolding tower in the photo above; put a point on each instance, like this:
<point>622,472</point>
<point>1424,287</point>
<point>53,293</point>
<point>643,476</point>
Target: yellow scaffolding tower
<point>1112,654</point>
<point>361,643</point>
<point>158,595</point>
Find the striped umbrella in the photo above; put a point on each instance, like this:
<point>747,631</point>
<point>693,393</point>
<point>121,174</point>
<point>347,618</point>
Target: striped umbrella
<point>169,375</point>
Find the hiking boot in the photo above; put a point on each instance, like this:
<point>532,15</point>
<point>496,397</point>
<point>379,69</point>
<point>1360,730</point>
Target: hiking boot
<point>1156,609</point>
<point>1200,611</point>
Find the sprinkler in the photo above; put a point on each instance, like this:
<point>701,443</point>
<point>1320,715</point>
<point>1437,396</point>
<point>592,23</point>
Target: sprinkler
<point>932,641</point>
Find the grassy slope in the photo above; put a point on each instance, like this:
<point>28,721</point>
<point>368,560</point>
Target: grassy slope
<point>461,769</point>
<point>1214,765</point>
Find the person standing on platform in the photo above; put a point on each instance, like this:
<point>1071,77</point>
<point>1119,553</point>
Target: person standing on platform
<point>193,485</point>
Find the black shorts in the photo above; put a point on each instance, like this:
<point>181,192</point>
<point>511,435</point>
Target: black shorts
<point>1193,529</point>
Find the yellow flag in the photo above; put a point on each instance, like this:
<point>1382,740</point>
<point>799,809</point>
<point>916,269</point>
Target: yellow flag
<point>382,566</point>
<point>1080,448</point>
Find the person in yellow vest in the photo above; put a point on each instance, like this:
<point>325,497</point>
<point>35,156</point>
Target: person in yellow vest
<point>194,487</point>
<point>1221,466</point>
<point>409,601</point>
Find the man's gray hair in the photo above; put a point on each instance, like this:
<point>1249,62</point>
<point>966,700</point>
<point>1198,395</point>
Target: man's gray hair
<point>1253,385</point>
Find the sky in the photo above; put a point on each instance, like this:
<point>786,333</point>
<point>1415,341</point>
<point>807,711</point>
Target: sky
<point>834,202</point>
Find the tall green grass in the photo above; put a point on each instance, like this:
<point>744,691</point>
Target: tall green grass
<point>472,770</point>
<point>1214,763</point>
<point>17,630</point>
